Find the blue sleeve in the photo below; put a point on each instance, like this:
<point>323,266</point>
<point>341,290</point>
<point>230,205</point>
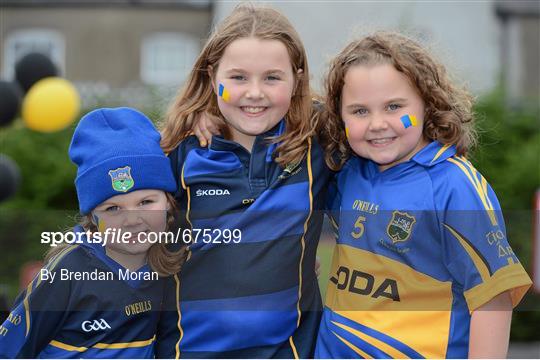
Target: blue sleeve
<point>476,248</point>
<point>168,334</point>
<point>35,318</point>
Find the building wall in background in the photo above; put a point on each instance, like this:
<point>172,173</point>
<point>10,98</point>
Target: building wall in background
<point>464,35</point>
<point>106,44</point>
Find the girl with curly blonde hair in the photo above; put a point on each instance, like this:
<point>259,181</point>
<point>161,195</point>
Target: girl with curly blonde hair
<point>422,266</point>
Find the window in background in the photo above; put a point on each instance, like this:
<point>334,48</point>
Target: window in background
<point>22,42</point>
<point>166,58</point>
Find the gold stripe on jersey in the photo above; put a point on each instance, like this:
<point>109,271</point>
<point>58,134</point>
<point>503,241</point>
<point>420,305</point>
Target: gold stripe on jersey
<point>511,277</point>
<point>67,347</point>
<point>440,152</point>
<point>188,208</point>
<point>381,345</point>
<point>187,190</point>
<point>481,189</point>
<point>179,325</point>
<point>55,260</point>
<point>422,300</point>
<point>484,187</point>
<point>293,347</point>
<point>479,262</point>
<point>303,240</point>
<point>125,345</point>
<point>408,327</point>
<point>103,346</point>
<point>482,180</point>
<point>352,347</point>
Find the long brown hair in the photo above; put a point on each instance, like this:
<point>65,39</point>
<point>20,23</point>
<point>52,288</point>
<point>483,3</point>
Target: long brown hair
<point>448,117</point>
<point>197,97</point>
<point>160,259</point>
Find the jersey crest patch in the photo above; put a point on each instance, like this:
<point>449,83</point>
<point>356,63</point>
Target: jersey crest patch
<point>400,226</point>
<point>121,179</point>
<point>290,170</point>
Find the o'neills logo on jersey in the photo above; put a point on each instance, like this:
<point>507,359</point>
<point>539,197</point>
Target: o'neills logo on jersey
<point>94,325</point>
<point>138,307</point>
<point>212,192</point>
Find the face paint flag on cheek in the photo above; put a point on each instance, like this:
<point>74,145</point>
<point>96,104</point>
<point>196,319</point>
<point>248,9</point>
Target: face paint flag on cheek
<point>99,223</point>
<point>223,93</point>
<point>408,120</point>
<point>347,132</point>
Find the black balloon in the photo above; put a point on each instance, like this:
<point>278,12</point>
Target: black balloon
<point>32,68</point>
<point>10,102</point>
<point>9,177</point>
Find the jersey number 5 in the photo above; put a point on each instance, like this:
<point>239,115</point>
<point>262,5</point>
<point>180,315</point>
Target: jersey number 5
<point>358,227</point>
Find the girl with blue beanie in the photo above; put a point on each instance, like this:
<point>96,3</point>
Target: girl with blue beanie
<point>123,184</point>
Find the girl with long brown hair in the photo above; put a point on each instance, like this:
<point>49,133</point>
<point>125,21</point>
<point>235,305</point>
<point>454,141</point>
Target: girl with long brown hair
<point>256,296</point>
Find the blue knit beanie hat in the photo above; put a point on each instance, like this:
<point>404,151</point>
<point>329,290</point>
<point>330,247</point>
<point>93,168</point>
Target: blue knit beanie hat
<point>117,151</point>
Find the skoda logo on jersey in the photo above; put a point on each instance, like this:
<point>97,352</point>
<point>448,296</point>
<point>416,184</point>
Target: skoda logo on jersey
<point>94,325</point>
<point>212,192</point>
<point>121,179</point>
<point>400,226</point>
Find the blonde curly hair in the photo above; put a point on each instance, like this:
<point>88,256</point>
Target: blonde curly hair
<point>448,114</point>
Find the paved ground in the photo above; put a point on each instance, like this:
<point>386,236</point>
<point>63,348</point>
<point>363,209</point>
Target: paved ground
<point>524,351</point>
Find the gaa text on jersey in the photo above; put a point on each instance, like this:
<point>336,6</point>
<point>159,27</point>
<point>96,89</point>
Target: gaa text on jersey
<point>94,325</point>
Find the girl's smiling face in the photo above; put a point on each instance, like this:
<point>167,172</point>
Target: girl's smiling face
<point>140,211</point>
<point>373,101</point>
<point>258,77</point>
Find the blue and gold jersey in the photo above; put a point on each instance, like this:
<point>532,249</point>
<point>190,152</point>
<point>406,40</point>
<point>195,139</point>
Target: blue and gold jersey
<point>420,246</point>
<point>257,297</point>
<point>58,316</point>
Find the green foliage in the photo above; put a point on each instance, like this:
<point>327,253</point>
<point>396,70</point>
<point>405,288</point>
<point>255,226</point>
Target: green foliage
<point>509,151</point>
<point>46,171</point>
<point>509,158</point>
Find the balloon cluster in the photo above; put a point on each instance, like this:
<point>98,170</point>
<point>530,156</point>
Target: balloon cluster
<point>51,103</point>
<point>46,102</point>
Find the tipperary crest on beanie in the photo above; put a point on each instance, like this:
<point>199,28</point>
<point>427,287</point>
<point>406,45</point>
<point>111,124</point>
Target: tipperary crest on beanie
<point>121,179</point>
<point>117,151</point>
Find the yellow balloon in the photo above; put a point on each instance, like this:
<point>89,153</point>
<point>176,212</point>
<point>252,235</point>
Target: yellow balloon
<point>50,105</point>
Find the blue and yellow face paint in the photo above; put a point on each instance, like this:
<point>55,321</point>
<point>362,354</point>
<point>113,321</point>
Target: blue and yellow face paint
<point>409,120</point>
<point>224,93</point>
<point>346,132</point>
<point>99,223</point>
